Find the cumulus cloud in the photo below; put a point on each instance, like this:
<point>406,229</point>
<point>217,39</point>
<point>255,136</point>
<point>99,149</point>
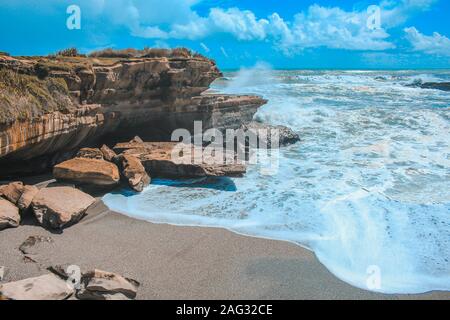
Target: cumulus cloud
<point>436,44</point>
<point>317,26</point>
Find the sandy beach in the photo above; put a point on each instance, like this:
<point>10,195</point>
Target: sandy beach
<point>174,262</point>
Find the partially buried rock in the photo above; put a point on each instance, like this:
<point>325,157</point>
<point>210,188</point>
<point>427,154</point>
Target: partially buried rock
<point>12,191</point>
<point>90,153</point>
<point>9,215</point>
<point>29,192</point>
<point>102,285</point>
<point>87,171</point>
<point>46,287</point>
<point>108,154</point>
<point>134,172</point>
<point>59,207</point>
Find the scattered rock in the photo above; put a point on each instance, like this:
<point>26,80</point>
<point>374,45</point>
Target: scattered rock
<point>88,171</point>
<point>12,191</point>
<point>103,285</point>
<point>90,153</point>
<point>29,192</point>
<point>134,172</point>
<point>27,246</point>
<point>156,157</point>
<point>59,207</point>
<point>108,154</point>
<point>46,287</point>
<point>286,135</point>
<point>9,215</point>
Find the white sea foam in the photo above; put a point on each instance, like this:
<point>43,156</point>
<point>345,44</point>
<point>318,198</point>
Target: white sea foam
<point>369,185</point>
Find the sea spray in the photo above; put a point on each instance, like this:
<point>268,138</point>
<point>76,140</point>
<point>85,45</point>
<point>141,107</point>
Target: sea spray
<point>367,189</point>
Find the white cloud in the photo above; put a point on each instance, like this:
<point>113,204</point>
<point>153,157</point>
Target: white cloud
<point>317,26</point>
<point>436,44</point>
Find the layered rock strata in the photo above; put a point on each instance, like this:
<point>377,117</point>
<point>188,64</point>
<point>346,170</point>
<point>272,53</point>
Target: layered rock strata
<point>50,107</point>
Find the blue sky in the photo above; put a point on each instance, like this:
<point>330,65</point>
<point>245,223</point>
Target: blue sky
<point>237,33</point>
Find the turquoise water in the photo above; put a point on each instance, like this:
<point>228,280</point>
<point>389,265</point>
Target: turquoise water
<point>368,185</point>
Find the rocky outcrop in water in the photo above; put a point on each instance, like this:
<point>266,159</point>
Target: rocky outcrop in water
<point>158,159</point>
<point>50,107</point>
<point>444,86</point>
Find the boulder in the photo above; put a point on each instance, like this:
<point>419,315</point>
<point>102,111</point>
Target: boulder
<point>59,207</point>
<point>157,159</point>
<point>103,285</point>
<point>12,191</point>
<point>286,135</point>
<point>87,171</point>
<point>27,196</point>
<point>9,215</point>
<point>108,154</point>
<point>46,287</point>
<point>90,153</point>
<point>134,172</point>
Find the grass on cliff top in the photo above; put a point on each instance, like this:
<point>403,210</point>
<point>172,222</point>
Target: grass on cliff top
<point>145,53</point>
<point>24,97</point>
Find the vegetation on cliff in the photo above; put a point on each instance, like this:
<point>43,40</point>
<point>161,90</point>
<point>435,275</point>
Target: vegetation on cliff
<point>24,97</point>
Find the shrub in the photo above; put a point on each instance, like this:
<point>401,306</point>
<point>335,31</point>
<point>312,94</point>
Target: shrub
<point>70,52</point>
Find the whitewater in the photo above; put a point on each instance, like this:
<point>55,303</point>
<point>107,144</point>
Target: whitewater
<point>367,188</point>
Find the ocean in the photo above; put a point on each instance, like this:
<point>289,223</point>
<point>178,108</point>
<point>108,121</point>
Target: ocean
<point>367,188</point>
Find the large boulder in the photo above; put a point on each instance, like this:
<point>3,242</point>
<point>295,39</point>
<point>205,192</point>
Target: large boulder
<point>134,172</point>
<point>87,171</point>
<point>90,153</point>
<point>159,161</point>
<point>59,207</point>
<point>29,192</point>
<point>9,215</point>
<point>103,285</point>
<point>12,191</point>
<point>46,287</point>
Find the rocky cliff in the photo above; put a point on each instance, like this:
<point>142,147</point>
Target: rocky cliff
<point>52,106</point>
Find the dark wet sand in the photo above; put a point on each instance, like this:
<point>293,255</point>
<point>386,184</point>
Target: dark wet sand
<point>182,262</point>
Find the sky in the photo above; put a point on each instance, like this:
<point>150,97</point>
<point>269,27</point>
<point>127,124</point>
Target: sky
<point>285,34</point>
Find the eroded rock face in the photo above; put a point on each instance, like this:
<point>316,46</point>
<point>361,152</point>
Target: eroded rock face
<point>134,172</point>
<point>9,215</point>
<point>160,160</point>
<point>102,285</point>
<point>46,287</point>
<point>87,171</point>
<point>59,207</point>
<point>117,98</point>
